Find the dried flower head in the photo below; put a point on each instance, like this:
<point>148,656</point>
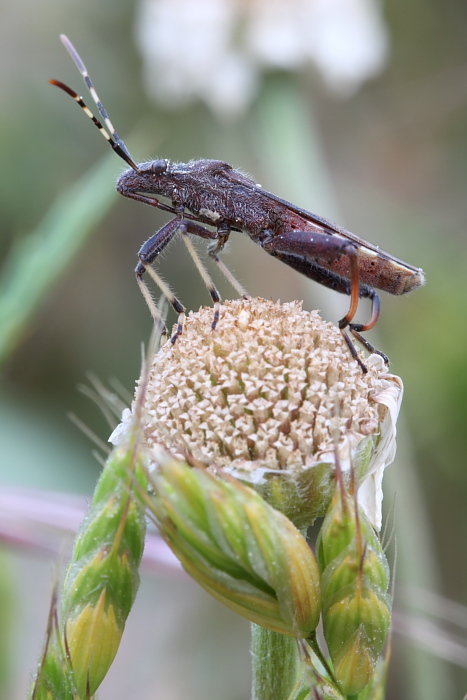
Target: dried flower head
<point>269,397</point>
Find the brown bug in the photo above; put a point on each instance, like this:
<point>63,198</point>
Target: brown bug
<point>211,193</point>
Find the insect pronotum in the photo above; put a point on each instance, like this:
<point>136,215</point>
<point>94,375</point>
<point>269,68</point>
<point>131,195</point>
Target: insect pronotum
<point>210,193</point>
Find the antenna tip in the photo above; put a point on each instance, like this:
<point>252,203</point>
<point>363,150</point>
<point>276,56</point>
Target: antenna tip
<point>65,40</point>
<point>73,53</point>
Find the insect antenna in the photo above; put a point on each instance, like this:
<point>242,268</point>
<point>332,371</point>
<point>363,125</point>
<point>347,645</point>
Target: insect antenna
<point>109,134</point>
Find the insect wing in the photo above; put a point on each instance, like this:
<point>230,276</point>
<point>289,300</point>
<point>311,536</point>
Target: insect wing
<point>317,221</point>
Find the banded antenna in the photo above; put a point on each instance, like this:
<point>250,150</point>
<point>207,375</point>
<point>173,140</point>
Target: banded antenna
<point>109,134</point>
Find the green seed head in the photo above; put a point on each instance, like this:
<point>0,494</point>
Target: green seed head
<point>54,677</point>
<point>355,628</point>
<point>93,635</point>
<point>345,545</point>
<point>102,578</point>
<point>354,581</point>
<point>240,549</point>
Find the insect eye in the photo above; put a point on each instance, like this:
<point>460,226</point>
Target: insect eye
<point>158,167</point>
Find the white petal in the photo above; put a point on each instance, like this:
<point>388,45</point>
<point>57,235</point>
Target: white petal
<point>121,431</point>
<point>370,493</point>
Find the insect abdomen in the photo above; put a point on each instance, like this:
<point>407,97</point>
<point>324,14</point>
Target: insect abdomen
<point>375,270</point>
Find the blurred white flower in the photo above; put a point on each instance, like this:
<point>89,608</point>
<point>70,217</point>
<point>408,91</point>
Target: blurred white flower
<point>215,49</point>
<point>188,53</point>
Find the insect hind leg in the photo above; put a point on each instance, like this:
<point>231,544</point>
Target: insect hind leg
<point>357,328</point>
<point>302,250</point>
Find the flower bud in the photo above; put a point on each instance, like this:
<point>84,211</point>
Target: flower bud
<point>241,550</point>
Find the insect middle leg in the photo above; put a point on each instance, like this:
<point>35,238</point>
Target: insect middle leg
<point>215,296</point>
<point>219,238</point>
<point>214,249</point>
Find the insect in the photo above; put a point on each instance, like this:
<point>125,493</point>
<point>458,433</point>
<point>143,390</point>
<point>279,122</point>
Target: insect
<point>211,193</point>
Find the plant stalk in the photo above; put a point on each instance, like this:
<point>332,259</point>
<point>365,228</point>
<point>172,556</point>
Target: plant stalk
<point>275,664</point>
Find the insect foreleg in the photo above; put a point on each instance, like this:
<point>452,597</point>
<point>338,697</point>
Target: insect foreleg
<point>152,306</point>
<point>156,244</point>
<point>150,250</point>
<point>147,254</point>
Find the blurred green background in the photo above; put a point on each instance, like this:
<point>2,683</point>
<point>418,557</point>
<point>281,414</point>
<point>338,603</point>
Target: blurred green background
<point>387,161</point>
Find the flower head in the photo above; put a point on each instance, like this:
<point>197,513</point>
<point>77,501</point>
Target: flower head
<point>270,397</point>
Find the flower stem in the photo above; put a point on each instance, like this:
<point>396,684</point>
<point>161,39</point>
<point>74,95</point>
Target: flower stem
<point>275,663</point>
<point>314,646</point>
